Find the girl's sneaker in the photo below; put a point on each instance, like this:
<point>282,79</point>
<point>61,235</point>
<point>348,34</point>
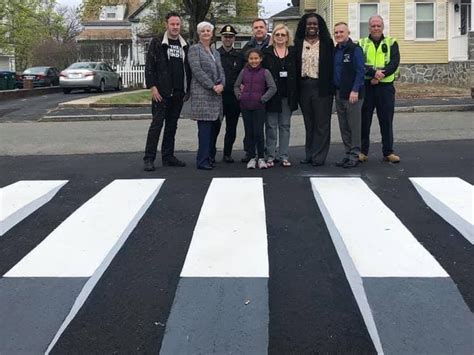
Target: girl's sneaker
<point>262,164</point>
<point>252,164</point>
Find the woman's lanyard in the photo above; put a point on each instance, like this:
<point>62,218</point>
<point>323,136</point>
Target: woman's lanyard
<point>282,60</point>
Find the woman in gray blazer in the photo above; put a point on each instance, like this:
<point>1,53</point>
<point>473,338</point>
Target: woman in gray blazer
<point>207,85</point>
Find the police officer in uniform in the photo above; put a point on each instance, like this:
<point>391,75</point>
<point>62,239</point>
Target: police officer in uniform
<point>382,58</point>
<point>232,61</point>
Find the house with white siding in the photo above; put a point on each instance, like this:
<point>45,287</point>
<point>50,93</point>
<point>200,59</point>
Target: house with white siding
<point>436,37</point>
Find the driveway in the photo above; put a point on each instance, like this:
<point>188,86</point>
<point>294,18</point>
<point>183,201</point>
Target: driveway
<point>35,107</point>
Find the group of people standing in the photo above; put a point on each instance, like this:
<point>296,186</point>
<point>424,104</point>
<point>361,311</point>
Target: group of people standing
<point>265,82</point>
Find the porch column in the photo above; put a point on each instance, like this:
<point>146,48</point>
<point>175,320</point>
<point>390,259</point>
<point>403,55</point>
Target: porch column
<point>470,43</point>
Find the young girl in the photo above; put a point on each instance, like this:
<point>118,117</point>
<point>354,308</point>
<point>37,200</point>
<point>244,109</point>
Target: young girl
<point>254,87</point>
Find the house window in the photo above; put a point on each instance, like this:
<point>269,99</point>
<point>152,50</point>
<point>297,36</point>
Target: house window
<point>365,11</point>
<point>425,20</point>
<point>110,15</point>
<point>466,20</point>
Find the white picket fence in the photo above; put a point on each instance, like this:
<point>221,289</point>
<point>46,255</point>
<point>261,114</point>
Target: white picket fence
<point>132,76</point>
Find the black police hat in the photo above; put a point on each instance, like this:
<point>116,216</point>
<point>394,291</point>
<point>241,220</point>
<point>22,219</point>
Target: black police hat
<point>228,30</point>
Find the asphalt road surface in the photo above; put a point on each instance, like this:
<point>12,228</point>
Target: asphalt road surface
<point>34,107</point>
<point>292,261</point>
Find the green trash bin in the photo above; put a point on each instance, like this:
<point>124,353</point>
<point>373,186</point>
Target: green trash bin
<point>7,80</point>
<point>11,82</point>
<point>3,81</point>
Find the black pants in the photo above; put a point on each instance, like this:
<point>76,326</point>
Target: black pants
<point>382,98</point>
<point>254,122</point>
<point>167,111</point>
<point>231,115</point>
<point>317,121</point>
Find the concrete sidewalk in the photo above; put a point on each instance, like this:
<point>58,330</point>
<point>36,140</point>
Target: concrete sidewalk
<point>56,138</point>
<point>86,109</point>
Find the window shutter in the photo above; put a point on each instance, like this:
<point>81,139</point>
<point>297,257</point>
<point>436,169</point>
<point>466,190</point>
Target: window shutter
<point>353,21</point>
<point>384,11</point>
<point>441,20</point>
<point>409,21</point>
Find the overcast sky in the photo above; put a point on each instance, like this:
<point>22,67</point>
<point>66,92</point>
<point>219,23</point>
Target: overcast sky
<point>271,7</point>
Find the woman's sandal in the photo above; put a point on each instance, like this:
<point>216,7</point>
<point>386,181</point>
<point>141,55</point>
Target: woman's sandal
<point>285,163</point>
<point>270,163</point>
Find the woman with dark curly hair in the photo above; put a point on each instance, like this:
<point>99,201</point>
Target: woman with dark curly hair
<point>314,64</point>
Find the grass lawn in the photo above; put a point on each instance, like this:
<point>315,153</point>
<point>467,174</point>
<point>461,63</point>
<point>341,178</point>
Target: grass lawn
<point>404,91</point>
<point>134,97</point>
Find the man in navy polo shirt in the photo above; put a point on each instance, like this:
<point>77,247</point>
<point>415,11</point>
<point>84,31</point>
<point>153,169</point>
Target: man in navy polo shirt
<point>349,82</point>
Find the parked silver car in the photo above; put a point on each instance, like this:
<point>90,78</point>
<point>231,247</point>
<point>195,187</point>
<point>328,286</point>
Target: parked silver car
<point>89,75</point>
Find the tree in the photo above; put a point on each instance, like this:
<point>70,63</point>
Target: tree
<point>195,11</point>
<point>26,24</point>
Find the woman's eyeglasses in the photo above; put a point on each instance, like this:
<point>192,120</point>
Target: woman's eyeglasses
<point>280,34</point>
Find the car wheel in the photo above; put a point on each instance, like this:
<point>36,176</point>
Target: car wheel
<point>67,91</point>
<point>101,88</point>
<point>119,85</point>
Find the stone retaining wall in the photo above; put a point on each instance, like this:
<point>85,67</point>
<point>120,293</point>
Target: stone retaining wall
<point>470,44</point>
<point>453,73</point>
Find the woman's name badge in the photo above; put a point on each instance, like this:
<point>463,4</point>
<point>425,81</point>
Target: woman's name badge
<point>283,74</point>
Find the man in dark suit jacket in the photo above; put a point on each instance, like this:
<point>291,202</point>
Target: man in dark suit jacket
<point>168,76</point>
<point>232,62</point>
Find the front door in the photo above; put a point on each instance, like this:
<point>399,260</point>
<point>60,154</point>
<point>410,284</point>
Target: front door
<point>460,16</point>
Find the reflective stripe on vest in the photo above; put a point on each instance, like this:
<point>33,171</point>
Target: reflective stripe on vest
<point>376,58</point>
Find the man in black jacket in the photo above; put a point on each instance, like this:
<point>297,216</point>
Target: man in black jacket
<point>168,76</point>
<point>232,62</point>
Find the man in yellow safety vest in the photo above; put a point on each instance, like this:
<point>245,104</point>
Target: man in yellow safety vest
<point>382,58</point>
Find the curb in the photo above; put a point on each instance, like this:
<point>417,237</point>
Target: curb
<point>20,93</point>
<point>141,116</point>
<point>107,117</point>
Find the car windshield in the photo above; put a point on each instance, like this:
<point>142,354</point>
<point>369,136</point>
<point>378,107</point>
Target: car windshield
<point>82,66</point>
<point>37,70</point>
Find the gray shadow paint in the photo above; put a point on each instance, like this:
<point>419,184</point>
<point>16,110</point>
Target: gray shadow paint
<point>420,315</point>
<point>210,315</point>
<point>33,309</point>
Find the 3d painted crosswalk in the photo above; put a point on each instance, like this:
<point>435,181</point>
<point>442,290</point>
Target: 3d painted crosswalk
<point>452,199</point>
<point>221,304</point>
<point>408,301</point>
<point>22,198</point>
<point>43,292</point>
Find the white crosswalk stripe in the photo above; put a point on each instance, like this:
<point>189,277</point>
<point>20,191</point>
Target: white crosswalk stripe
<point>226,265</point>
<point>77,253</point>
<point>19,200</point>
<point>230,237</point>
<point>226,271</point>
<point>452,198</point>
<point>380,256</point>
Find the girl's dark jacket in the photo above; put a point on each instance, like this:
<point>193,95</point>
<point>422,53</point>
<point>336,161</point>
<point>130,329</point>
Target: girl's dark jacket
<point>273,64</point>
<point>157,71</point>
<point>326,66</point>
